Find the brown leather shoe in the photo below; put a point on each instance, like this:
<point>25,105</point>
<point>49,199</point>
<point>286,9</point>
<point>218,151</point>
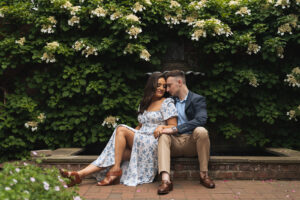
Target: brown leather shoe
<point>207,182</point>
<point>112,178</point>
<point>165,187</point>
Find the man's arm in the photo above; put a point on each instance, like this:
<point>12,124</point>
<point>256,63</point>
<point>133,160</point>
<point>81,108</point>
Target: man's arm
<point>199,106</point>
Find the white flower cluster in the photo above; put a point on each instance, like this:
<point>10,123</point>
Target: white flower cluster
<point>233,3</point>
<point>99,12</point>
<point>110,122</point>
<point>49,27</point>
<point>253,81</point>
<point>34,124</point>
<point>74,20</point>
<point>173,20</point>
<point>218,27</point>
<point>1,12</point>
<point>198,4</point>
<point>20,41</point>
<point>293,79</point>
<point>283,3</point>
<point>87,50</point>
<point>174,4</point>
<point>133,18</point>
<point>78,45</point>
<point>67,5</point>
<point>116,15</point>
<point>198,33</point>
<point>51,46</point>
<point>292,114</point>
<point>133,31</point>
<point>74,10</point>
<point>48,57</point>
<point>253,48</point>
<point>298,2</point>
<point>137,7</point>
<point>280,51</point>
<point>145,55</point>
<point>189,20</point>
<point>285,28</point>
<point>243,11</point>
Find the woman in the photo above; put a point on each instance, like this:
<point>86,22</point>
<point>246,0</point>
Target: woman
<point>138,145</point>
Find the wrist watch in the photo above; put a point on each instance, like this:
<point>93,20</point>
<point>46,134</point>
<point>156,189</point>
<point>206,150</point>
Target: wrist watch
<point>174,129</point>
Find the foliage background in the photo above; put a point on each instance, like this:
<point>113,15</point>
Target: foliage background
<point>245,57</point>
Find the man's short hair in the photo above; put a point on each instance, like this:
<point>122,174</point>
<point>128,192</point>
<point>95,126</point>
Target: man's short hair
<point>176,73</point>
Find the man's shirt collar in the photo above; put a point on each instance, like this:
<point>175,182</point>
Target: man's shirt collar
<point>182,101</point>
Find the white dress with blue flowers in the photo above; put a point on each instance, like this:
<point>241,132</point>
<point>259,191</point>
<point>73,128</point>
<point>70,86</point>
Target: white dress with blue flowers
<point>143,164</point>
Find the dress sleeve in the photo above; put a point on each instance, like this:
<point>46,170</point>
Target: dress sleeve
<point>168,109</point>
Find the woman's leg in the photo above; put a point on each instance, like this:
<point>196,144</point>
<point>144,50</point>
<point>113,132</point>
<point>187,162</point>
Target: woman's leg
<point>123,145</point>
<point>88,170</point>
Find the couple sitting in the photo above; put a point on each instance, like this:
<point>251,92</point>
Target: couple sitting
<point>167,127</point>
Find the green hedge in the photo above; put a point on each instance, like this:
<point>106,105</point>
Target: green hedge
<point>68,65</point>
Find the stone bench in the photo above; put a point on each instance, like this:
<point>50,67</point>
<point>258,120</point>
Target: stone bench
<point>285,166</point>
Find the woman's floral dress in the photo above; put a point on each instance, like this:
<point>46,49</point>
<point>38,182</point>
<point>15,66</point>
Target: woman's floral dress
<point>142,167</point>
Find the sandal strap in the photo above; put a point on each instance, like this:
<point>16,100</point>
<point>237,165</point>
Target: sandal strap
<point>115,173</point>
<point>77,179</point>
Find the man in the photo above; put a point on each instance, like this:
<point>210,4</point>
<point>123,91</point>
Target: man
<point>189,137</point>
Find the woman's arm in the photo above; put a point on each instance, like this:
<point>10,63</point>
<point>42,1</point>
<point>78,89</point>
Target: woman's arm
<point>138,127</point>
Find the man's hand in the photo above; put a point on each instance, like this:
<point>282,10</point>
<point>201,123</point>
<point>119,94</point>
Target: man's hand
<point>157,131</point>
<point>168,131</point>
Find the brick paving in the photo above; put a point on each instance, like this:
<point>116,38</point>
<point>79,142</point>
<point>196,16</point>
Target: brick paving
<point>192,190</point>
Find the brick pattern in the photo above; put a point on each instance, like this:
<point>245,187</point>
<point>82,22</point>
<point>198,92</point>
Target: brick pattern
<point>188,169</point>
<point>192,190</point>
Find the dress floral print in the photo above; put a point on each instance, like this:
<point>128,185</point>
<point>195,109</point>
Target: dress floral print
<point>143,163</point>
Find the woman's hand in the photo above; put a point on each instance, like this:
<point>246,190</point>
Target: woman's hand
<point>157,131</point>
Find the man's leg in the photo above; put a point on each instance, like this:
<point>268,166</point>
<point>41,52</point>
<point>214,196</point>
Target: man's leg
<point>201,137</point>
<point>168,145</point>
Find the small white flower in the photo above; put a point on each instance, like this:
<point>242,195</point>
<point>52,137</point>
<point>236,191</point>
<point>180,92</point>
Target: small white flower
<point>17,170</point>
<point>74,20</point>
<point>32,179</point>
<point>145,55</point>
<point>133,18</point>
<point>7,188</point>
<point>243,11</point>
<point>46,187</point>
<point>20,41</point>
<point>137,7</point>
<point>25,164</point>
<point>34,129</point>
<point>74,10</point>
<point>34,153</point>
<point>134,31</point>
<point>15,181</point>
<point>77,198</point>
<point>65,186</point>
<point>99,12</point>
<point>26,125</point>
<point>56,188</point>
<point>116,15</point>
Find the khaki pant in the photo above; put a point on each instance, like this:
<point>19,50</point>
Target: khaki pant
<point>184,145</point>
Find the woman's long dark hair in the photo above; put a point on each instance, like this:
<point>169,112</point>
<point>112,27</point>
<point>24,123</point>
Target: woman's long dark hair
<point>149,91</point>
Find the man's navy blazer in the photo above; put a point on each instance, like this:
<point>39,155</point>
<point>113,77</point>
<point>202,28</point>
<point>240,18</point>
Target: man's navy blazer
<point>195,110</point>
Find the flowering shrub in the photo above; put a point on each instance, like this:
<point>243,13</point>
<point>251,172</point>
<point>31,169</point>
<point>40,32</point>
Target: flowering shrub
<point>79,61</point>
<point>21,180</point>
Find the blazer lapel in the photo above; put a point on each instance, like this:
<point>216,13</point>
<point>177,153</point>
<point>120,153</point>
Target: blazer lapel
<point>188,100</point>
